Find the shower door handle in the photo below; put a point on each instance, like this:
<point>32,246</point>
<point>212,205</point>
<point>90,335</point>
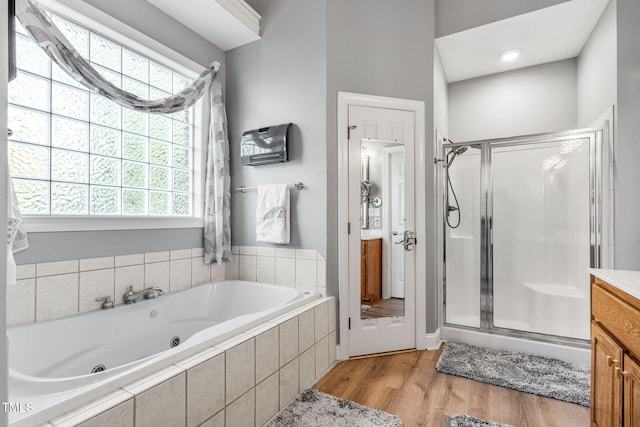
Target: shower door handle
<point>409,241</point>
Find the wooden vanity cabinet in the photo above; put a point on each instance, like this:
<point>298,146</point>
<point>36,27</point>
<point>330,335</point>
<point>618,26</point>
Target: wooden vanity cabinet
<point>371,271</point>
<point>615,355</point>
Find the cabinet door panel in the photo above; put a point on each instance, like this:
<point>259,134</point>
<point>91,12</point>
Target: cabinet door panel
<point>606,389</point>
<point>631,393</point>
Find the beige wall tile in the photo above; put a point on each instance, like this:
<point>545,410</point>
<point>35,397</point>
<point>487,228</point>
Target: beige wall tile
<point>21,302</point>
<point>307,361</point>
<point>285,271</point>
<point>95,284</point>
<point>205,390</point>
<point>56,296</point>
<point>241,413</point>
<point>240,370</point>
<point>306,274</point>
<point>217,272</point>
<point>322,356</point>
<point>266,269</point>
<point>248,268</point>
<point>307,254</point>
<point>262,251</point>
<point>162,405</point>
<point>322,274</point>
<point>288,341</point>
<point>331,314</point>
<point>197,252</point>
<point>232,268</point>
<point>285,253</point>
<point>267,353</point>
<point>200,272</point>
<point>150,257</point>
<point>289,387</point>
<point>180,274</point>
<point>96,263</point>
<point>267,399</point>
<point>157,274</point>
<point>332,347</point>
<point>55,268</point>
<point>216,421</point>
<point>306,330</point>
<point>322,321</point>
<point>126,260</point>
<point>180,254</point>
<point>118,416</point>
<point>25,271</point>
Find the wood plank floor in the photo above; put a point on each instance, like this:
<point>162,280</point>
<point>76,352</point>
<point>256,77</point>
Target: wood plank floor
<point>409,386</point>
<point>385,308</point>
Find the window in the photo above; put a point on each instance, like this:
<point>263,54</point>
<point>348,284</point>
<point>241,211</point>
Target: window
<point>76,153</point>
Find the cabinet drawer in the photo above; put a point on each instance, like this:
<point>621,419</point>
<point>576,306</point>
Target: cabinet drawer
<point>621,319</point>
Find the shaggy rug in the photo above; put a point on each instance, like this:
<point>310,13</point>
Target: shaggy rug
<point>316,409</point>
<point>469,421</point>
<point>539,375</point>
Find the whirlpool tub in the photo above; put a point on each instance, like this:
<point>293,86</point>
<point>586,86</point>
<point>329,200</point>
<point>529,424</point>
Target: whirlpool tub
<point>56,365</point>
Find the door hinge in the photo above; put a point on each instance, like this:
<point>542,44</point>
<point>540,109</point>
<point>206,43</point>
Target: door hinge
<point>349,322</point>
<point>349,129</point>
<point>348,228</point>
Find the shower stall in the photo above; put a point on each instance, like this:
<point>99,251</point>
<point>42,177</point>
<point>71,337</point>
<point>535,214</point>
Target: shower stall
<point>520,230</point>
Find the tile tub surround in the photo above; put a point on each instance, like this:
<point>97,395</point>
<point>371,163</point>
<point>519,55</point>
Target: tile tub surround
<point>47,291</point>
<point>303,269</point>
<point>244,381</point>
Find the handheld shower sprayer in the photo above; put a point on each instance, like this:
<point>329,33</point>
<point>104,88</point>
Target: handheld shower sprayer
<point>454,153</point>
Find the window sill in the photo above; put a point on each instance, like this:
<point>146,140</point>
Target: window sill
<point>43,224</point>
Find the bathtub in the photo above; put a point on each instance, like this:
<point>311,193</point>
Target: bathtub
<point>60,364</point>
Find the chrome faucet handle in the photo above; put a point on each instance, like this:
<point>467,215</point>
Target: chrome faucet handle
<point>107,302</point>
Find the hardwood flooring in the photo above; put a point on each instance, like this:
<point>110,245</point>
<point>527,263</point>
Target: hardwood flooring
<point>385,308</point>
<point>409,386</point>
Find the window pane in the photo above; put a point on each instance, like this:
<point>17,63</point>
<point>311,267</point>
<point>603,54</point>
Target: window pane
<point>61,76</point>
<point>78,36</point>
<point>160,152</point>
<point>29,91</point>
<point>135,121</point>
<point>28,125</point>
<point>70,102</point>
<point>28,161</point>
<point>33,196</point>
<point>160,178</point>
<point>69,166</point>
<point>134,147</point>
<point>69,199</point>
<point>160,127</point>
<point>134,174</point>
<point>134,202</point>
<point>105,112</point>
<point>180,82</point>
<point>160,76</point>
<point>135,65</point>
<point>31,57</point>
<point>135,87</point>
<point>181,180</point>
<point>185,116</point>
<point>105,170</point>
<point>159,203</point>
<point>109,75</point>
<point>105,52</point>
<point>105,141</point>
<point>181,133</point>
<point>181,157</point>
<point>181,204</point>
<point>70,134</point>
<point>105,200</point>
<point>156,94</point>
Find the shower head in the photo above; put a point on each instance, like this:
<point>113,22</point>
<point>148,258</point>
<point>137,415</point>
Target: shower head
<point>455,152</point>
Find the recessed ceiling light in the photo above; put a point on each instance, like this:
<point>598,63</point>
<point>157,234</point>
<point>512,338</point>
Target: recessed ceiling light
<point>510,55</point>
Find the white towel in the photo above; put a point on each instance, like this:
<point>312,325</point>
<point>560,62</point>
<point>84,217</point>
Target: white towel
<point>272,214</point>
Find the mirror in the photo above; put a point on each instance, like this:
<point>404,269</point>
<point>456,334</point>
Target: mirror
<point>381,229</point>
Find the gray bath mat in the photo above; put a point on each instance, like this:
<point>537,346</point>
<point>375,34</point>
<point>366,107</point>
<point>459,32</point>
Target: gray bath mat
<point>316,409</point>
<point>539,375</point>
<point>469,421</point>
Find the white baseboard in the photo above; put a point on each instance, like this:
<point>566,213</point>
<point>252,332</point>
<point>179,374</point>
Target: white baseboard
<point>433,340</point>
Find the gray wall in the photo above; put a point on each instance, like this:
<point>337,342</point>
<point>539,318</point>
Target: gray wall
<point>627,150</point>
<point>530,100</point>
<point>453,16</point>
<point>375,47</point>
<point>279,79</point>
<point>56,246</point>
<point>597,65</point>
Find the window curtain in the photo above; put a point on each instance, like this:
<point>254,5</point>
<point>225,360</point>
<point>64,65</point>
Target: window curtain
<point>217,213</point>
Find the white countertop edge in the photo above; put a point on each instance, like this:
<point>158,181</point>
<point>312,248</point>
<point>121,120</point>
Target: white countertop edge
<point>626,281</point>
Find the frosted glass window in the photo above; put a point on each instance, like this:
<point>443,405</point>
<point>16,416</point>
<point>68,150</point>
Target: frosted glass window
<point>74,152</point>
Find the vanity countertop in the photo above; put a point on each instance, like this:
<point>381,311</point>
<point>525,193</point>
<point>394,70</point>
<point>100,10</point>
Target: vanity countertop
<point>626,281</point>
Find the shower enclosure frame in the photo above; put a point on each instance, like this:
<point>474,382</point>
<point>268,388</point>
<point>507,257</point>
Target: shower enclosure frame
<point>486,221</point>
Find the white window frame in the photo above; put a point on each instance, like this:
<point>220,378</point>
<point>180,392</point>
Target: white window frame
<point>129,37</point>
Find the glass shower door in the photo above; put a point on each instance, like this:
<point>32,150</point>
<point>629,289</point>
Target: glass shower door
<point>541,236</point>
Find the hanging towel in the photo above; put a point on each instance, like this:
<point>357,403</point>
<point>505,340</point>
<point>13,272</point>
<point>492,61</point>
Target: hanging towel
<point>272,214</point>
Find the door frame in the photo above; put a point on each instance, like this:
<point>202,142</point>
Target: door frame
<point>346,99</point>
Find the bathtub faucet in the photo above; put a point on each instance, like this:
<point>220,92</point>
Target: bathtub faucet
<point>132,296</point>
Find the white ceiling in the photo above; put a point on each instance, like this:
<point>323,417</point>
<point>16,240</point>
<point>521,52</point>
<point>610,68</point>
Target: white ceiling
<point>545,35</point>
<point>225,23</point>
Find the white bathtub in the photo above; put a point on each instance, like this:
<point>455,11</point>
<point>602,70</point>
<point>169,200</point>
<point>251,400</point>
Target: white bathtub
<point>50,363</point>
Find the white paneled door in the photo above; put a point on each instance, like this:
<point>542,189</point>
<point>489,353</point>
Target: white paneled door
<point>382,188</point>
